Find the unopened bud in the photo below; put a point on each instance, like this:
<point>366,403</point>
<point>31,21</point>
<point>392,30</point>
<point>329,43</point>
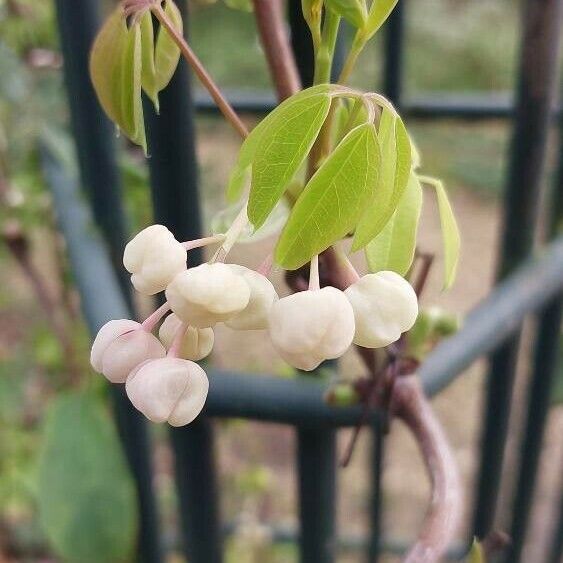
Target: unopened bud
<point>262,296</point>
<point>154,257</point>
<point>169,390</point>
<point>120,346</point>
<point>197,343</point>
<point>207,294</point>
<point>310,327</point>
<point>385,305</point>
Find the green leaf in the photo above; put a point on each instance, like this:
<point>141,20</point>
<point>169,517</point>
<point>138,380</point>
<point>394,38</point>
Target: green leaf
<point>354,11</point>
<point>378,13</point>
<point>87,500</point>
<point>148,68</point>
<point>160,60</point>
<point>394,247</point>
<point>284,145</point>
<point>241,5</point>
<point>476,554</point>
<point>115,69</point>
<point>450,231</point>
<point>333,200</point>
<point>393,180</point>
<point>251,143</point>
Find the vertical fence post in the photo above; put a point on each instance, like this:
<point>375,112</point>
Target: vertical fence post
<point>174,183</point>
<point>378,444</point>
<point>316,447</point>
<point>543,375</point>
<point>537,74</point>
<point>94,137</point>
<point>394,48</point>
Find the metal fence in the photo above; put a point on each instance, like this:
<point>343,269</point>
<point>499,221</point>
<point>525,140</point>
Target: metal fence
<point>527,286</point>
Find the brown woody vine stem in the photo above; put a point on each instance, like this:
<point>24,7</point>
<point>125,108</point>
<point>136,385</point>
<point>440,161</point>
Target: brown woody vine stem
<point>278,52</point>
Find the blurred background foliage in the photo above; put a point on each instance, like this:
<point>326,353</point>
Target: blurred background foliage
<point>452,46</point>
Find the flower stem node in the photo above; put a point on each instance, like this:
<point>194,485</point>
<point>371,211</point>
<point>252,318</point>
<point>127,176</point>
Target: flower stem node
<point>120,346</point>
<point>262,297</point>
<point>169,390</point>
<point>154,257</point>
<point>385,305</point>
<point>310,327</point>
<point>207,294</point>
<point>196,344</point>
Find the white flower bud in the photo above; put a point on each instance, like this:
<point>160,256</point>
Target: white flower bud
<point>312,326</point>
<point>262,296</point>
<point>197,343</point>
<point>169,390</point>
<point>154,257</point>
<point>385,305</point>
<point>120,346</point>
<point>207,294</point>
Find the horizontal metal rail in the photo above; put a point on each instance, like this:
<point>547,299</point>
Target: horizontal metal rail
<point>469,106</point>
<point>300,401</point>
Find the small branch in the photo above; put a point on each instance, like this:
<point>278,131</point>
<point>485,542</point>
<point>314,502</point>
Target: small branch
<point>444,513</point>
<point>426,259</point>
<point>271,27</point>
<point>18,246</point>
<point>192,59</point>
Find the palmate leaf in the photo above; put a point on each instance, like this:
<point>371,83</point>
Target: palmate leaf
<point>333,200</point>
<point>115,69</point>
<point>87,501</point>
<point>378,13</point>
<point>354,11</point>
<point>394,247</point>
<point>284,146</point>
<point>395,171</point>
<point>450,231</point>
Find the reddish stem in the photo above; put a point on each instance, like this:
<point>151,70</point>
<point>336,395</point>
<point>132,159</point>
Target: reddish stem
<point>444,512</point>
<point>271,27</point>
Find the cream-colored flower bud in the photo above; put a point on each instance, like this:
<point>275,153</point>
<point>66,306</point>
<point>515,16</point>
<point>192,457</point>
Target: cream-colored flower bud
<point>169,390</point>
<point>262,296</point>
<point>312,326</point>
<point>385,305</point>
<point>207,294</point>
<point>197,343</point>
<point>154,257</point>
<point>120,346</point>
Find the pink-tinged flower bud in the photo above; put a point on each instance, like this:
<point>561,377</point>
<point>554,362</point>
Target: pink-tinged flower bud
<point>207,294</point>
<point>262,296</point>
<point>310,327</point>
<point>385,305</point>
<point>154,257</point>
<point>120,346</point>
<point>197,343</point>
<point>168,390</point>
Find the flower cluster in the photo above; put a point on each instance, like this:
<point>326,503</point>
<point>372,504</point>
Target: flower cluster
<point>161,376</point>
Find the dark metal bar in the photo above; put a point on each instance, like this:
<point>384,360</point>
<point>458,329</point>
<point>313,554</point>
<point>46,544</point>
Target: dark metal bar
<point>197,491</point>
<point>301,43</point>
<point>316,455</point>
<point>496,318</point>
<point>94,137</point>
<point>535,94</point>
<point>93,133</point>
<point>544,373</point>
<point>102,300</point>
<point>174,184</point>
<point>394,49</point>
<point>436,105</point>
<point>376,502</point>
